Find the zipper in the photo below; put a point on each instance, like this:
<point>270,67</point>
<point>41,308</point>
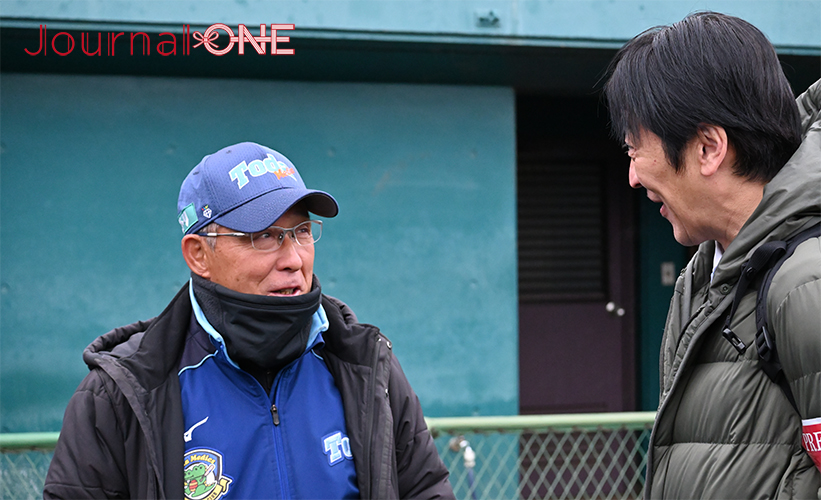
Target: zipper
<point>370,400</point>
<point>280,459</point>
<point>688,354</point>
<point>275,414</point>
<point>278,446</point>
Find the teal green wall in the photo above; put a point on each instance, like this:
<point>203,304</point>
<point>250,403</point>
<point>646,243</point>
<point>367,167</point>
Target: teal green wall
<point>101,159</point>
<point>793,25</point>
<point>424,245</point>
<point>656,245</point>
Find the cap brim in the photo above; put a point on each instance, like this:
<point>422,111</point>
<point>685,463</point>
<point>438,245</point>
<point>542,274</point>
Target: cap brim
<point>264,210</point>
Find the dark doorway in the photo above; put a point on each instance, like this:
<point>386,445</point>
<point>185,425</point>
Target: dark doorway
<point>576,260</point>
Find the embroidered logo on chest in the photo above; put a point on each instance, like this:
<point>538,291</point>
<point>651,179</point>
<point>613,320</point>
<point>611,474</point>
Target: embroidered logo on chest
<point>202,475</point>
<point>338,447</point>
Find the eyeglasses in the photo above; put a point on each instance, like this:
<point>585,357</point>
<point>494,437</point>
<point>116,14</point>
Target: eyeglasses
<point>304,234</point>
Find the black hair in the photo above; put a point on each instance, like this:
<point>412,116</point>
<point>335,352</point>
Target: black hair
<point>708,68</point>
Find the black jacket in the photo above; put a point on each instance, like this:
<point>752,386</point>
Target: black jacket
<point>122,433</point>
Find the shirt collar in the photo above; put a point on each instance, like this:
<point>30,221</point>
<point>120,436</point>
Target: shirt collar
<point>716,259</point>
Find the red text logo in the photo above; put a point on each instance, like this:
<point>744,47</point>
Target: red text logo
<point>165,44</point>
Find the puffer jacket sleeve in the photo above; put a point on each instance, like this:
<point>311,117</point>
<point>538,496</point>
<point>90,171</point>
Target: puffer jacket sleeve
<point>795,317</point>
<point>420,471</point>
<point>89,459</point>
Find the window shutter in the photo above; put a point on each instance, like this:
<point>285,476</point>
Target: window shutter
<point>561,231</point>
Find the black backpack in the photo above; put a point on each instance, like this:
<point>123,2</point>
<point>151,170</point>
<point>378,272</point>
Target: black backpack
<point>758,273</point>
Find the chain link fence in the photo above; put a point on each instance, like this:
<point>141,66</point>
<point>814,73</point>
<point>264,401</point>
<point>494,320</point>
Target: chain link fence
<point>589,456</point>
<point>23,473</point>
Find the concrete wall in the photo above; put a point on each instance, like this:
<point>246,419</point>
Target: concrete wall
<point>90,167</point>
<point>424,246</point>
<point>792,24</point>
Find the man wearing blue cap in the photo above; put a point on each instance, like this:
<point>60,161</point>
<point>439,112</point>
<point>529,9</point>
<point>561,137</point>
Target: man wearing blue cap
<point>252,383</point>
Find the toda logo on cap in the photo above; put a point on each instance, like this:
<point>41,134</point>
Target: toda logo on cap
<point>269,165</point>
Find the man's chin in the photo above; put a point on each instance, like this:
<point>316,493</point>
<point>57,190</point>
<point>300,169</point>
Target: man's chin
<point>685,239</point>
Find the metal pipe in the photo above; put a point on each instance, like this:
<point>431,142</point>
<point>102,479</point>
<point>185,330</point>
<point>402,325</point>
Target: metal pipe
<point>579,421</point>
<point>28,440</point>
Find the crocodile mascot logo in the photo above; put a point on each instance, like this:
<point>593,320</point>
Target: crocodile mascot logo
<point>202,475</point>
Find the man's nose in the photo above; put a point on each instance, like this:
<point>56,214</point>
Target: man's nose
<point>632,178</point>
<point>288,255</point>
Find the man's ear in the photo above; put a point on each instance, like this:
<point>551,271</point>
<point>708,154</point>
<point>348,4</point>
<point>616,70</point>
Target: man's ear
<point>195,253</point>
<point>713,146</point>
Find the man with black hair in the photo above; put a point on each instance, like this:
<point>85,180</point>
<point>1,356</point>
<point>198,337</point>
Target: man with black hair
<point>715,135</point>
<point>251,383</point>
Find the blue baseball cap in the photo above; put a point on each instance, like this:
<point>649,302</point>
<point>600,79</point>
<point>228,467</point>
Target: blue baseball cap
<point>245,187</point>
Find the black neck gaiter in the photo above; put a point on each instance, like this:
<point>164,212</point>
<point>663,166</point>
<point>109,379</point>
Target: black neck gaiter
<point>261,333</point>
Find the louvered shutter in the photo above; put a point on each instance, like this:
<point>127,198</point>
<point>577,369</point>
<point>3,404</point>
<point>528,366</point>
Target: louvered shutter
<point>561,231</point>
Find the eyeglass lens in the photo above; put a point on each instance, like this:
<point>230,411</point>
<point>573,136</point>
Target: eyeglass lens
<point>306,233</point>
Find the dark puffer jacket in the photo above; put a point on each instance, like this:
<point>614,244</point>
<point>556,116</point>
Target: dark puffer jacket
<point>122,433</point>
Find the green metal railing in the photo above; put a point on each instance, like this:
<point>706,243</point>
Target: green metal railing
<point>585,456</point>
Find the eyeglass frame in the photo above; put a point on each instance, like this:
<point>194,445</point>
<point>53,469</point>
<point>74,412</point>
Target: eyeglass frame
<point>285,230</point>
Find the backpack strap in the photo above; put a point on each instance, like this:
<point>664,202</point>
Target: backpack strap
<point>758,273</point>
<point>762,259</point>
<point>764,340</point>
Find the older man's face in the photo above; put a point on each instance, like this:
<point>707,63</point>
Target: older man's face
<point>286,271</point>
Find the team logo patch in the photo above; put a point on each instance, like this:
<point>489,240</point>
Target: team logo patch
<point>206,211</point>
<point>187,218</point>
<point>338,448</point>
<point>202,475</point>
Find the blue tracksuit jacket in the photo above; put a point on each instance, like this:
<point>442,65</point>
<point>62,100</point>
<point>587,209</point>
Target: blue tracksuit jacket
<point>241,442</point>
